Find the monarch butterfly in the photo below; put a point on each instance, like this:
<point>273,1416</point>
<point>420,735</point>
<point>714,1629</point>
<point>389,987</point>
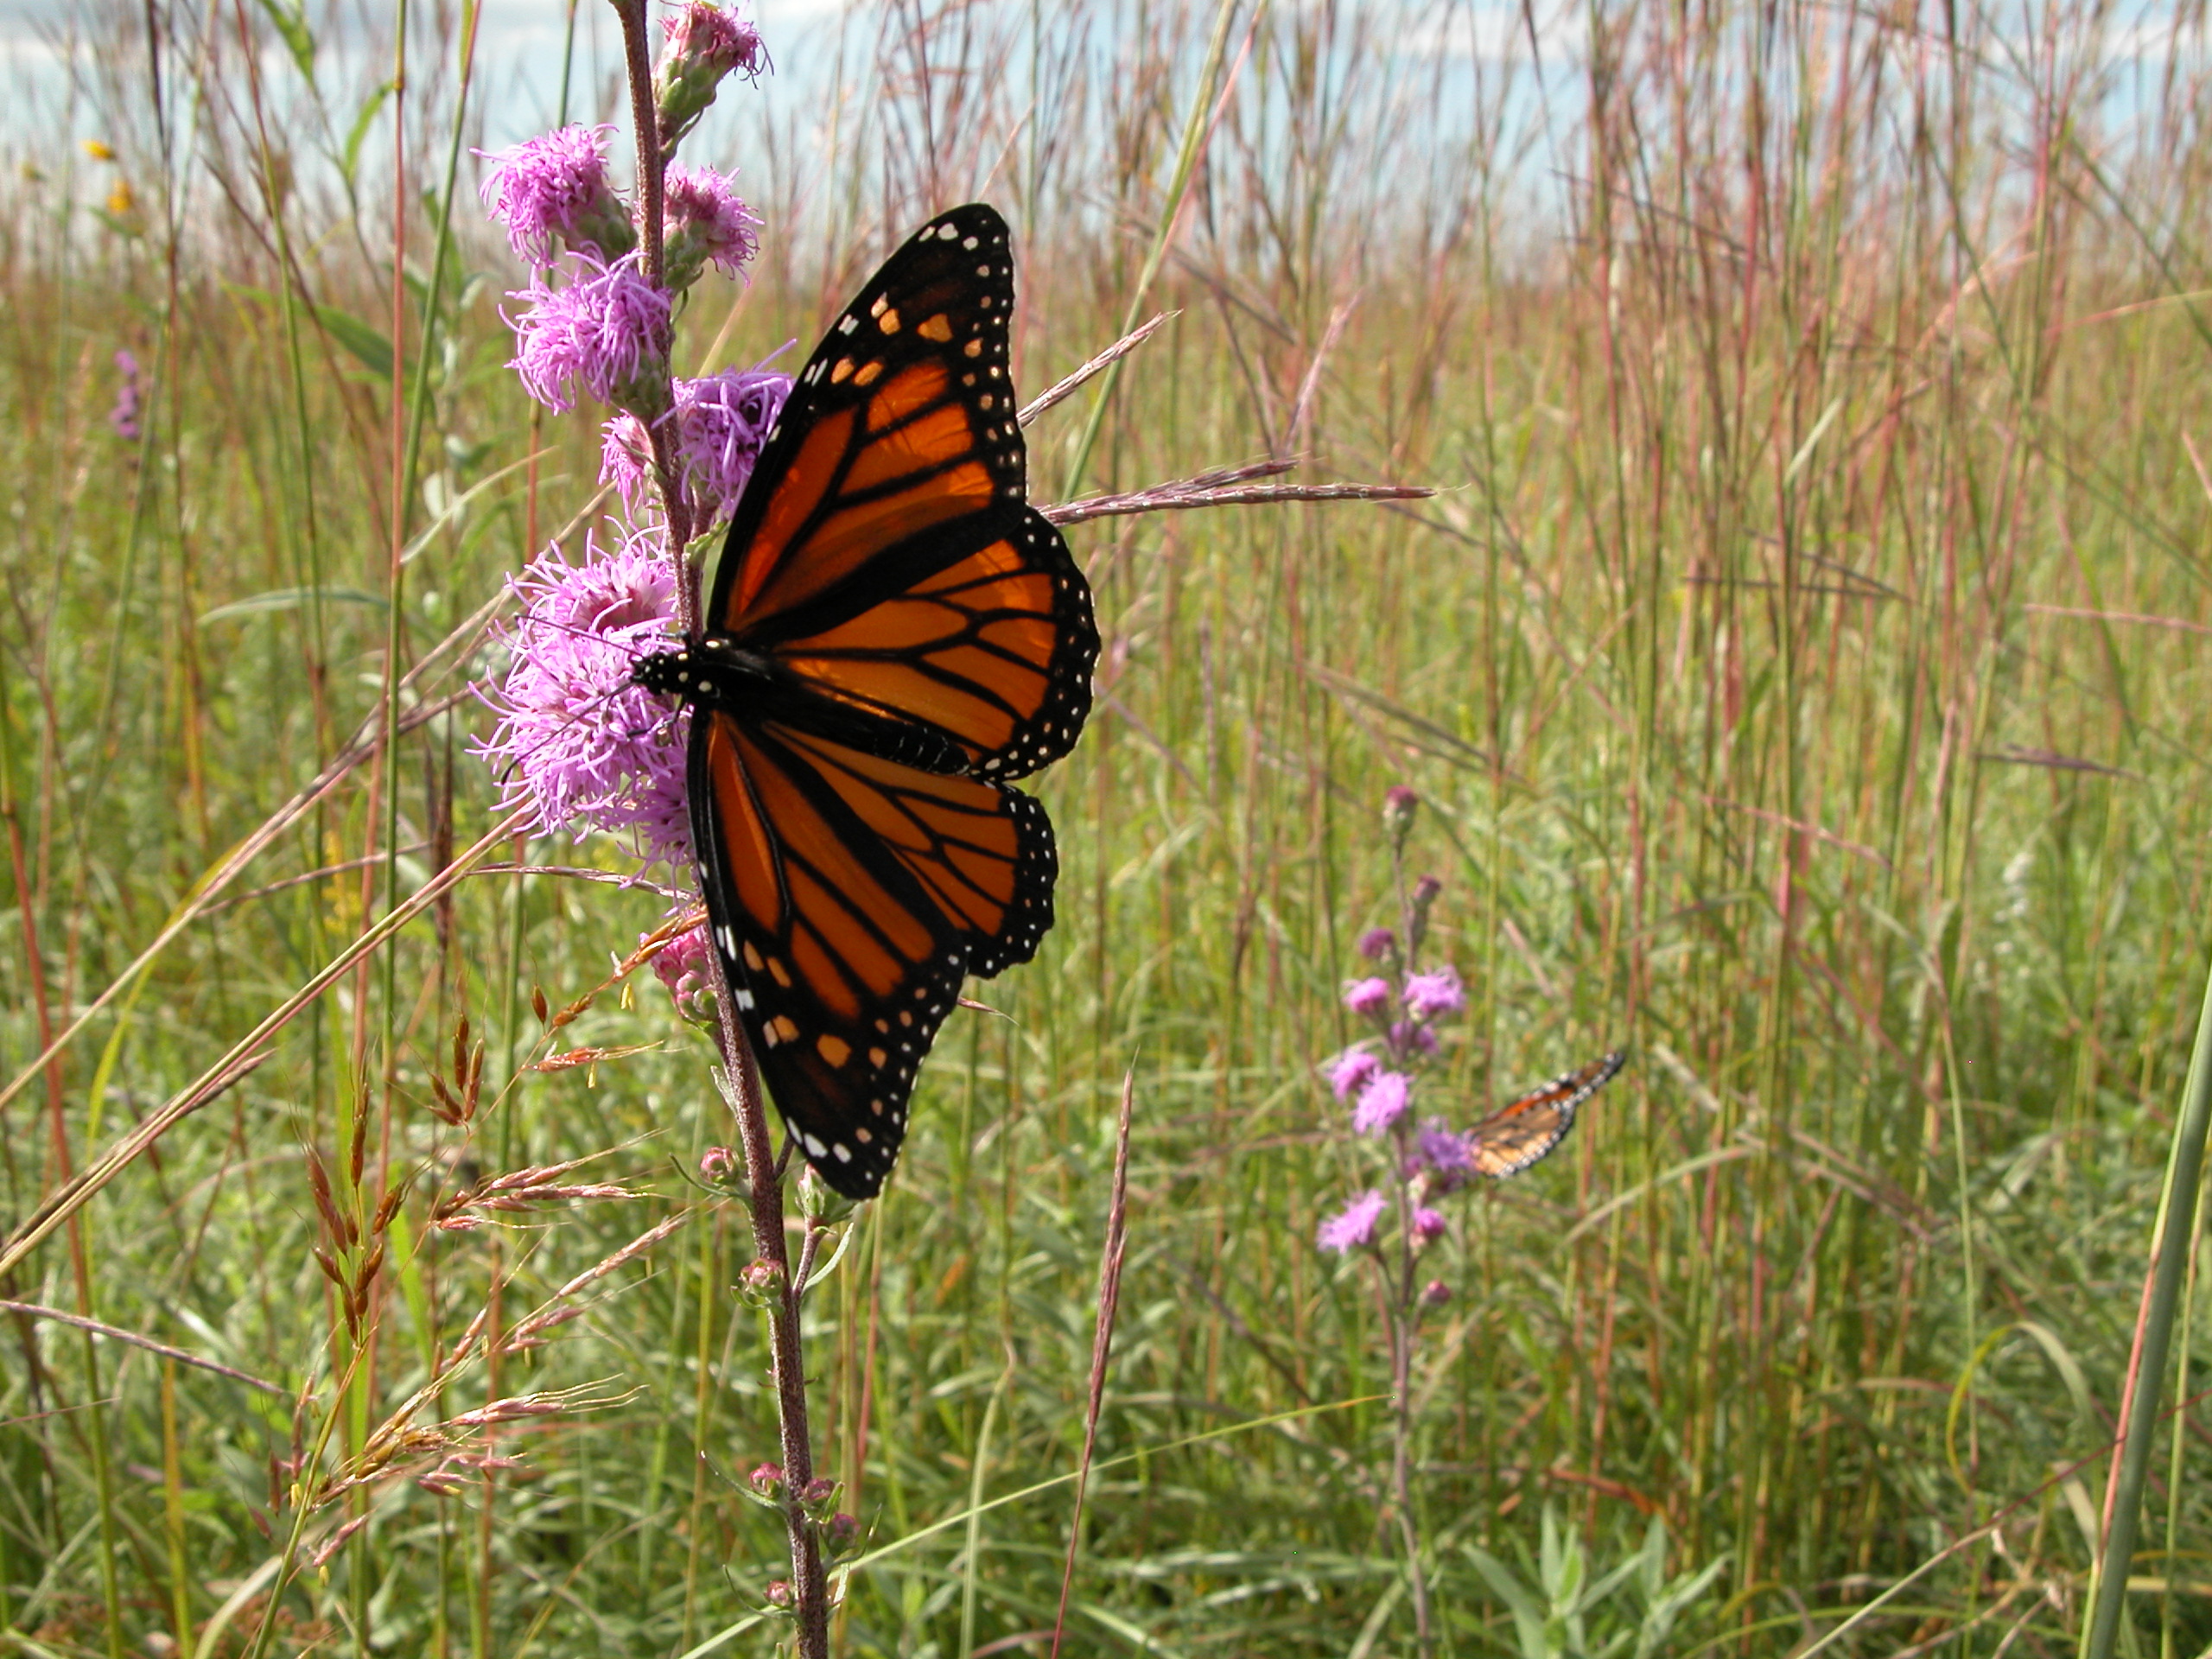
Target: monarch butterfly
<point>892,634</point>
<point>1524,1133</point>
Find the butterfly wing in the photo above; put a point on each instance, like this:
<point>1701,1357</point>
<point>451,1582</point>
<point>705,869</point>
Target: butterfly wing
<point>1525,1131</point>
<point>884,555</point>
<point>850,894</point>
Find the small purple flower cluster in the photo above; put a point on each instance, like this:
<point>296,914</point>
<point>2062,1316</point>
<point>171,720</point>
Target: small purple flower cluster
<point>720,421</point>
<point>579,743</point>
<point>681,966</point>
<point>1376,1075</point>
<point>123,417</point>
<point>593,322</point>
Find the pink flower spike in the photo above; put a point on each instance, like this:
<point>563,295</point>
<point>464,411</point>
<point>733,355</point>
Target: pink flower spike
<point>705,223</point>
<point>1430,996</point>
<point>701,44</point>
<point>1378,942</point>
<point>605,333</point>
<point>681,966</point>
<point>553,190</point>
<point>577,741</point>
<point>713,37</point>
<point>722,422</point>
<point>1355,1226</point>
<point>1350,1070</point>
<point>1382,1102</point>
<point>1367,996</point>
<point>123,417</point>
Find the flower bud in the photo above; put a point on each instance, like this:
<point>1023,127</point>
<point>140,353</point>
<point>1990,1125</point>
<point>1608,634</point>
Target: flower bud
<point>1398,804</point>
<point>1435,1294</point>
<point>766,1478</point>
<point>780,1593</point>
<point>759,1283</point>
<point>701,44</point>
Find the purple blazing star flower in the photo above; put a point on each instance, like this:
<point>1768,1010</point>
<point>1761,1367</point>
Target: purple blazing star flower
<point>603,335</point>
<point>1450,1161</point>
<point>1350,1070</point>
<point>1428,1227</point>
<point>1382,1102</point>
<point>553,189</point>
<point>722,420</point>
<point>577,741</point>
<point>705,222</point>
<point>1367,996</point>
<point>1378,942</point>
<point>123,417</point>
<point>1435,1294</point>
<point>1430,996</point>
<point>1355,1226</point>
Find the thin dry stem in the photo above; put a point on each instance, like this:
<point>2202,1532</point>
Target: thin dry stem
<point>1102,1340</point>
<point>1183,496</point>
<point>1105,360</point>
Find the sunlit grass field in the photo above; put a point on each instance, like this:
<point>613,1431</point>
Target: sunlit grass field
<point>1799,668</point>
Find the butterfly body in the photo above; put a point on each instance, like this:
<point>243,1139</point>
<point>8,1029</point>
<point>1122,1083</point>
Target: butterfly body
<point>892,634</point>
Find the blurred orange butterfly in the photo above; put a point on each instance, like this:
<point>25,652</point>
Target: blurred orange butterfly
<point>892,634</point>
<point>1524,1133</point>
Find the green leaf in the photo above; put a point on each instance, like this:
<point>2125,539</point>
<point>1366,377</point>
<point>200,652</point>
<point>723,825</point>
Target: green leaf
<point>352,161</point>
<point>291,598</point>
<point>366,343</point>
<point>291,22</point>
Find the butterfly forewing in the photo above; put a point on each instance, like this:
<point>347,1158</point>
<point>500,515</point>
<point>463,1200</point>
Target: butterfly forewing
<point>889,561</point>
<point>1524,1133</point>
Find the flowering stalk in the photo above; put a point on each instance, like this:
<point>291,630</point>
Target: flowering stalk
<point>1376,1076</point>
<point>578,741</point>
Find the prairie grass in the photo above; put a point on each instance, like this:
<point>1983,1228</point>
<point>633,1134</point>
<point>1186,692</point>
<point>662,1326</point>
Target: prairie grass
<point>1799,671</point>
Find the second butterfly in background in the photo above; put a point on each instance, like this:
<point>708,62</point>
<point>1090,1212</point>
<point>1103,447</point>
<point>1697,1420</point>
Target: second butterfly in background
<point>1523,1134</point>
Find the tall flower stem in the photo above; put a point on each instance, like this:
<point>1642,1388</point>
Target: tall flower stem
<point>1404,1311</point>
<point>741,1079</point>
<point>809,1583</point>
<point>652,168</point>
<point>1401,1317</point>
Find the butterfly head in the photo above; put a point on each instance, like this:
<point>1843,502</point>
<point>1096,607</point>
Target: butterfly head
<point>669,672</point>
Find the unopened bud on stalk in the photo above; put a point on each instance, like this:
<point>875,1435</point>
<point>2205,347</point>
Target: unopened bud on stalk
<point>701,44</point>
<point>1398,804</point>
<point>1417,909</point>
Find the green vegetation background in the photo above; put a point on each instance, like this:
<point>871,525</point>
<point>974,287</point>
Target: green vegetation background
<point>1799,670</point>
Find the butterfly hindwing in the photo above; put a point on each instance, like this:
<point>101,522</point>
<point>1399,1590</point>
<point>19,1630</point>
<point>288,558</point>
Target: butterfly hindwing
<point>849,896</point>
<point>1525,1131</point>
